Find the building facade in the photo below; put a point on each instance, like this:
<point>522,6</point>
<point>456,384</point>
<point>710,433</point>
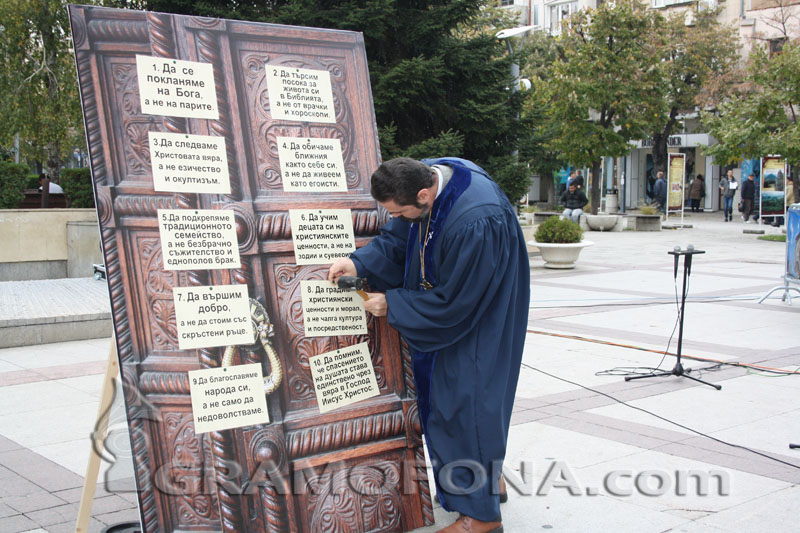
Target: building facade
<point>769,22</point>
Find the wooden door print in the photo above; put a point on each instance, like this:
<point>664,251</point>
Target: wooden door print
<point>358,468</point>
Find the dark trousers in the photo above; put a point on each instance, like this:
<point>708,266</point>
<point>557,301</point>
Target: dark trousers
<point>747,208</point>
<point>694,203</point>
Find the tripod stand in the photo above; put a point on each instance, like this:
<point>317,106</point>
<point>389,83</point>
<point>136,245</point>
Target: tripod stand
<point>678,369</point>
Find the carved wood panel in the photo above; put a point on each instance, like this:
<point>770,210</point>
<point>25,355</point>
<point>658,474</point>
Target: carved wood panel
<point>252,478</point>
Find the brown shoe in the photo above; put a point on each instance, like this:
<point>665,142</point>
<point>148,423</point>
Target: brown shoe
<point>501,485</point>
<point>467,524</point>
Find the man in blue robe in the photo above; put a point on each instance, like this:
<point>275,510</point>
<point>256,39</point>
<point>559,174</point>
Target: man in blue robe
<point>454,267</point>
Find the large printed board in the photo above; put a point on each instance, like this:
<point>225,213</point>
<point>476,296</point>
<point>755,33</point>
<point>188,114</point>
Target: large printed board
<point>217,148</point>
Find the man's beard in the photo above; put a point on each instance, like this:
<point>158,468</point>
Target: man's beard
<point>422,216</point>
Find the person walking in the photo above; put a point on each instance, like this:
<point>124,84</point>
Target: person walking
<point>697,190</point>
<point>454,267</point>
<point>660,192</point>
<point>727,187</point>
<point>748,197</point>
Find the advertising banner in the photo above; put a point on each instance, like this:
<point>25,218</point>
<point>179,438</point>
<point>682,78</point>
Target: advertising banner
<point>793,242</point>
<point>773,186</point>
<point>675,177</point>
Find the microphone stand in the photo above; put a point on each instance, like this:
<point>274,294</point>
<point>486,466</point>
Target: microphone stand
<point>678,369</point>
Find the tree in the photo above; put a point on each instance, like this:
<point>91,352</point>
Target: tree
<point>439,88</point>
<point>38,88</point>
<point>762,117</point>
<point>536,148</point>
<point>604,89</point>
<point>693,56</point>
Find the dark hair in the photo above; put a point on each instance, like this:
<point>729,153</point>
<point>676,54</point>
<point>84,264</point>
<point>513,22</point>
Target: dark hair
<point>400,180</point>
<point>700,177</point>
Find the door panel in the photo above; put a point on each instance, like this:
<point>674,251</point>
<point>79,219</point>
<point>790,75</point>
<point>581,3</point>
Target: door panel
<point>358,468</point>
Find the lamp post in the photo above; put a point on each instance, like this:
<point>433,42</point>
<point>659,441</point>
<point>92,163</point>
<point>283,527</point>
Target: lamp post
<point>507,36</point>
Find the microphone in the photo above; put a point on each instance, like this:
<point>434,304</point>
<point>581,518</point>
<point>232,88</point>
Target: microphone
<point>677,250</point>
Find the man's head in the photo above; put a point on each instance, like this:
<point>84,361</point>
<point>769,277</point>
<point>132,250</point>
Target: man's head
<point>751,176</point>
<point>660,175</point>
<point>571,187</point>
<point>404,187</point>
<point>571,173</point>
<point>730,173</point>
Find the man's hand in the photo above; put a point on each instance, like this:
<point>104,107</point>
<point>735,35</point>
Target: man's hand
<point>342,267</point>
<point>376,304</point>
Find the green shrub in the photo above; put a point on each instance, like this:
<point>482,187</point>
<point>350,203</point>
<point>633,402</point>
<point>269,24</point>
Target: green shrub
<point>77,185</point>
<point>774,238</point>
<point>558,230</point>
<point>33,181</point>
<point>649,209</point>
<point>13,179</point>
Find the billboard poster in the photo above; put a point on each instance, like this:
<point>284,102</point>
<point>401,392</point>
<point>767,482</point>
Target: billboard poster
<point>753,166</point>
<point>773,186</point>
<point>231,163</point>
<point>675,178</point>
<point>793,242</point>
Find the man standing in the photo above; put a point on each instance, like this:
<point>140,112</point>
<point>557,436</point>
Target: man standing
<point>578,181</point>
<point>660,192</point>
<point>573,201</point>
<point>454,267</point>
<point>727,187</point>
<point>748,195</point>
<point>570,179</point>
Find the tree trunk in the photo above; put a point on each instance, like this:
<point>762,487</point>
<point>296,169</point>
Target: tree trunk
<point>660,138</point>
<point>549,193</point>
<point>595,185</point>
<point>53,161</point>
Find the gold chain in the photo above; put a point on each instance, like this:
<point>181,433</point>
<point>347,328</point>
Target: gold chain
<point>425,284</point>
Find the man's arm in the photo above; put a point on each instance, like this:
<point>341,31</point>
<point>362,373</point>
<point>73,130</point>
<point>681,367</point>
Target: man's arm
<point>476,262</point>
<point>381,261</point>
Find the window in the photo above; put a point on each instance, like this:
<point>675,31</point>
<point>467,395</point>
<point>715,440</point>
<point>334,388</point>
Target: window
<point>560,12</point>
<point>535,17</point>
<point>506,3</point>
<point>776,45</point>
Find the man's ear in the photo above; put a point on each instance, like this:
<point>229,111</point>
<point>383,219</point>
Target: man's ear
<point>423,196</point>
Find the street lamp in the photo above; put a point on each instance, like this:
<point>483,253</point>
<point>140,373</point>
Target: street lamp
<point>507,35</point>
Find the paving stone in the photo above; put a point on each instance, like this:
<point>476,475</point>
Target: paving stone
<point>6,511</point>
<point>118,517</point>
<point>34,501</point>
<point>15,485</point>
<point>54,515</point>
<point>45,473</point>
<point>95,526</point>
<point>7,445</point>
<point>17,524</point>
<point>110,504</point>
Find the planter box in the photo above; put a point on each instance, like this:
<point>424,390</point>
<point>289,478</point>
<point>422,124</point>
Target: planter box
<point>557,255</point>
<point>643,222</point>
<point>601,222</point>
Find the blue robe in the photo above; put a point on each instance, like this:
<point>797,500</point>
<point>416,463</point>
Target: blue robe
<point>466,333</point>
